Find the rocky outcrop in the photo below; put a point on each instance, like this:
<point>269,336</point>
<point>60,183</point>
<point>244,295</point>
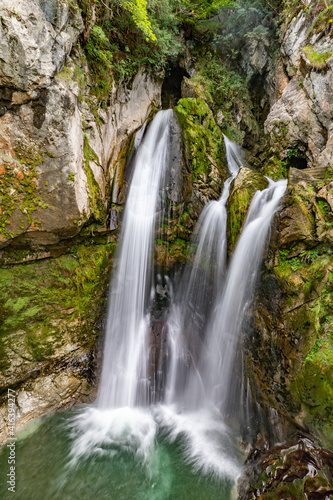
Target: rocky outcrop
<point>62,160</point>
<point>299,124</point>
<point>292,346</point>
<point>50,319</point>
<point>58,150</point>
<point>293,316</point>
<point>298,470</point>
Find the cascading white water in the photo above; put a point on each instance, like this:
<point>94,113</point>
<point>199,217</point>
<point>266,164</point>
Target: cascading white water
<point>125,373</point>
<point>200,286</point>
<point>203,329</point>
<point>222,340</point>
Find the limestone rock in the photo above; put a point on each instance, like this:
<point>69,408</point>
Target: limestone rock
<point>129,109</point>
<point>300,122</point>
<point>56,163</point>
<point>35,38</point>
<point>292,124</point>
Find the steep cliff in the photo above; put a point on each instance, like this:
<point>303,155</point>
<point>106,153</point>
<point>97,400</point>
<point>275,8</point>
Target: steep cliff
<point>294,309</point>
<point>62,158</point>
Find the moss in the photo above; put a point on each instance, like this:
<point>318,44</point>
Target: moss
<point>237,213</point>
<point>226,90</point>
<point>167,253</point>
<point>275,168</point>
<point>38,299</point>
<point>96,203</point>
<point>66,74</point>
<point>306,278</point>
<point>323,20</point>
<point>203,139</point>
<point>317,60</point>
<point>18,185</point>
<point>242,191</point>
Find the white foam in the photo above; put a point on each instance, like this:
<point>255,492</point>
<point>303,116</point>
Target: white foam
<point>97,430</point>
<point>207,442</point>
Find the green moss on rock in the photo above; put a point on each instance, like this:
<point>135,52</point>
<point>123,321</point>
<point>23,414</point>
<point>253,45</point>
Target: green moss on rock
<point>18,186</point>
<point>54,301</point>
<point>203,140</point>
<point>242,191</point>
<point>96,202</point>
<point>275,168</point>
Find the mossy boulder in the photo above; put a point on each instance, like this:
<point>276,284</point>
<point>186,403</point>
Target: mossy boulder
<point>203,146</point>
<point>242,190</point>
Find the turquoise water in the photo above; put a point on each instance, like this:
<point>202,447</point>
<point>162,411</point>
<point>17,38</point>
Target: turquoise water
<point>158,464</point>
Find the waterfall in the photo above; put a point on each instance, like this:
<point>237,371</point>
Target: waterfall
<point>125,373</point>
<point>217,367</point>
<point>205,328</point>
<point>200,286</point>
<point>203,332</point>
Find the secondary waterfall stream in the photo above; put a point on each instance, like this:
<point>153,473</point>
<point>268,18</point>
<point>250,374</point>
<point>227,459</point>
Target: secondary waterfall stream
<point>128,443</point>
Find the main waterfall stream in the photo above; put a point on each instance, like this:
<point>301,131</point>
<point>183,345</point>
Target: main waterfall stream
<point>180,442</point>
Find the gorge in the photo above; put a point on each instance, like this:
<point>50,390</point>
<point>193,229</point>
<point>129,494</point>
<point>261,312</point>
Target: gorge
<point>218,329</point>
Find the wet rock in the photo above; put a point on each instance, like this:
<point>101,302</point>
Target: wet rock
<point>297,470</point>
<point>242,190</point>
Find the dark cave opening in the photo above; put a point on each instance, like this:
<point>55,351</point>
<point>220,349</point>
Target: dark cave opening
<point>297,162</point>
<point>171,88</point>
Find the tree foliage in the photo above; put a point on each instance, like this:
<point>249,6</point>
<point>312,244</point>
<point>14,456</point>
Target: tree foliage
<point>138,10</point>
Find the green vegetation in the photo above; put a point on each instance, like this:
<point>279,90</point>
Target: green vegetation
<point>18,186</point>
<point>275,168</point>
<point>319,14</point>
<point>323,21</point>
<point>241,193</point>
<point>317,61</point>
<point>167,253</point>
<point>226,90</point>
<point>203,139</point>
<point>307,280</point>
<point>96,202</point>
<point>127,35</point>
<point>44,300</point>
<point>138,9</point>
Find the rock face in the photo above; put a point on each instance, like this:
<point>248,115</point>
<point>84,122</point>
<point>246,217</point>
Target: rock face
<point>299,470</point>
<point>62,161</point>
<point>56,158</point>
<point>292,344</point>
<point>293,315</point>
<point>49,322</point>
<point>299,124</point>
